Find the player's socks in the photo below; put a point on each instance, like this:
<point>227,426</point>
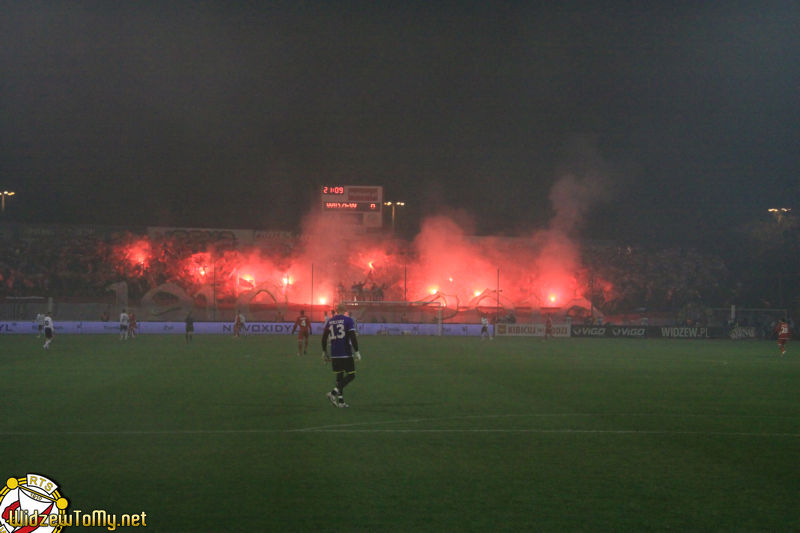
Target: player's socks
<point>332,397</point>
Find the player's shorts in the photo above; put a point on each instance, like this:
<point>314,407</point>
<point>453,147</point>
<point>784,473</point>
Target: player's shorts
<point>302,334</point>
<point>781,342</point>
<point>343,364</point>
<point>189,329</point>
<point>48,333</point>
<point>123,328</point>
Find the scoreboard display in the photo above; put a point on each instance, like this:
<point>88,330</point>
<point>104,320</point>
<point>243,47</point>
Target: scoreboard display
<point>361,205</point>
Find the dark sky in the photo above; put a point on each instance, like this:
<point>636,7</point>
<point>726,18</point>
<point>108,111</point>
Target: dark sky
<point>231,114</point>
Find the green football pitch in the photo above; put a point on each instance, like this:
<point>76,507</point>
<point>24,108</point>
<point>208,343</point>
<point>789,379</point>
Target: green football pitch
<point>442,434</point>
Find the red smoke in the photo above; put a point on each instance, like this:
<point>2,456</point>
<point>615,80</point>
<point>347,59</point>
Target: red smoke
<point>135,256</point>
<point>443,262</point>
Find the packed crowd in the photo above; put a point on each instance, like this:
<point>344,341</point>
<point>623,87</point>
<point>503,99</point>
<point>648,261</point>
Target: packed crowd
<point>56,265</point>
<point>84,263</point>
<point>71,264</point>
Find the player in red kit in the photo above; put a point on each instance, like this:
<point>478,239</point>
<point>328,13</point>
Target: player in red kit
<point>132,325</point>
<point>304,325</point>
<point>784,334</point>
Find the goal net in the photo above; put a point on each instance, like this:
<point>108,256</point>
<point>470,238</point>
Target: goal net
<point>430,312</point>
<point>747,323</point>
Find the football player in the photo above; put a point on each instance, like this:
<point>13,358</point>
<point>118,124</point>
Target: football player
<point>49,331</point>
<point>784,334</point>
<point>341,331</point>
<point>304,325</point>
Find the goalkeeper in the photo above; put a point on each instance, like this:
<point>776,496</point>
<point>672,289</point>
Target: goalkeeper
<point>340,329</point>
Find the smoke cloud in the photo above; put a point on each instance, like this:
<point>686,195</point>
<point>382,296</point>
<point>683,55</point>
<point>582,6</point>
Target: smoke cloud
<point>444,262</point>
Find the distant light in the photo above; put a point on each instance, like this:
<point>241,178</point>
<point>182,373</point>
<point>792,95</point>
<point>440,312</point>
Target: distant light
<point>451,280</point>
<point>3,196</point>
<point>434,291</point>
<point>477,293</point>
<point>370,266</point>
<point>780,212</point>
<point>323,301</point>
<point>552,298</point>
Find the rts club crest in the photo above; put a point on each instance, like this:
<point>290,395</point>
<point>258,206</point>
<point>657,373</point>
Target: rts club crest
<point>31,503</point>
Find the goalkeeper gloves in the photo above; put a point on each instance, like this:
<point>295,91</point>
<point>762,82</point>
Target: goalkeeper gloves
<point>357,356</point>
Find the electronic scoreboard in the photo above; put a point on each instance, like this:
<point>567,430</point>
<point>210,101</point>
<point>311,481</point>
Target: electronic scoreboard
<point>361,205</point>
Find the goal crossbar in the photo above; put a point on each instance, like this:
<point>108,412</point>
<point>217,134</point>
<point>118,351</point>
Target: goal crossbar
<point>372,305</point>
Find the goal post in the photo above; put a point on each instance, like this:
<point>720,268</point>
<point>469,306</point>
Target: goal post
<point>747,322</point>
<point>398,312</point>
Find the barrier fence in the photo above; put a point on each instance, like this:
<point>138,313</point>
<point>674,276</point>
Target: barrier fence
<point>464,330</point>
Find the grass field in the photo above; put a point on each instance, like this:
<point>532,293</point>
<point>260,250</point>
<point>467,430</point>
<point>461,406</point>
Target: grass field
<point>443,434</point>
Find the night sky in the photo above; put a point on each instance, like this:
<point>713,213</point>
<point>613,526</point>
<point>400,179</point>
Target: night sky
<point>232,114</point>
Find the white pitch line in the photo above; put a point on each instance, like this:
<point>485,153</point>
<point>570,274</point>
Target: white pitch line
<point>374,423</point>
<point>353,427</point>
<point>540,415</point>
<point>174,432</point>
<point>566,431</point>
